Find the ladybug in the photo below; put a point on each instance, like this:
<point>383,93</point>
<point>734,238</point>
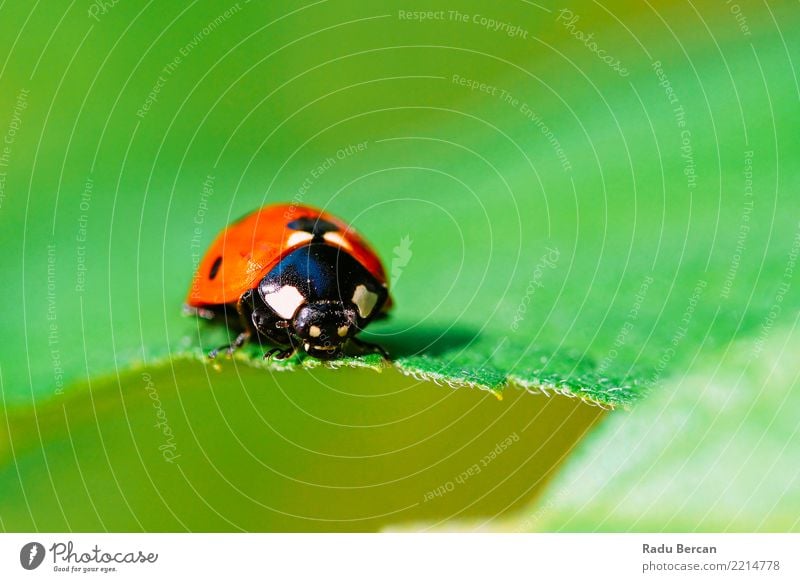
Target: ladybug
<point>293,275</point>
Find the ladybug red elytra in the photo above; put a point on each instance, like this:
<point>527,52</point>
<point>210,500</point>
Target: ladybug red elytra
<point>295,276</point>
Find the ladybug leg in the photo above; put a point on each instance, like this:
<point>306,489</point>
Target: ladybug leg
<point>201,312</point>
<point>242,311</point>
<point>230,348</point>
<point>279,353</point>
<point>238,342</point>
<point>370,347</point>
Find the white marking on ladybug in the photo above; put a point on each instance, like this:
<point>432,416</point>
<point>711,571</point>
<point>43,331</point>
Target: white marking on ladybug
<point>314,331</point>
<point>342,331</point>
<point>365,300</point>
<point>307,346</point>
<point>285,301</point>
<point>337,239</point>
<point>298,237</point>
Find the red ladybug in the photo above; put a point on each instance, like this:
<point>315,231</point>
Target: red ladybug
<point>295,276</point>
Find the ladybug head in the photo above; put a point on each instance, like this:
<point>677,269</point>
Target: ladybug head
<point>323,327</point>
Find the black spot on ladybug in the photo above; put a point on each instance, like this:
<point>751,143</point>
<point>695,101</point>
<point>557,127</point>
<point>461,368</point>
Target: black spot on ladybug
<point>316,226</point>
<point>215,268</point>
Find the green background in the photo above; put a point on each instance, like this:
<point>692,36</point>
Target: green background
<point>673,243</point>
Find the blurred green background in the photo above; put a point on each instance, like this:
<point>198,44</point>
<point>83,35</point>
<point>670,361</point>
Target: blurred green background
<point>548,216</point>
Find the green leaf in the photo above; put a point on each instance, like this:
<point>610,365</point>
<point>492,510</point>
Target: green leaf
<point>185,447</point>
<point>715,451</point>
<point>551,231</point>
<point>480,224</point>
<point>549,222</point>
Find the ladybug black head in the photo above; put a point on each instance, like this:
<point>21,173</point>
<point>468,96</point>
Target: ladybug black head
<point>323,295</point>
<point>323,327</point>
